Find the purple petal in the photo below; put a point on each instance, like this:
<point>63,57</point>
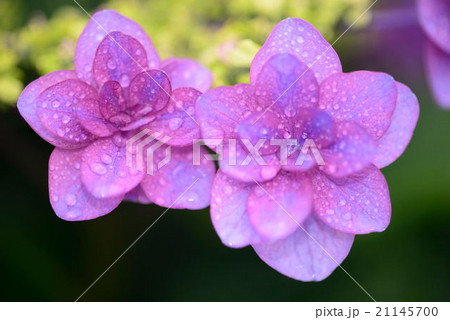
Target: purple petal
<point>112,101</point>
<point>149,92</point>
<point>120,58</point>
<point>89,115</point>
<point>177,120</point>
<point>180,183</point>
<point>434,16</point>
<point>366,97</point>
<point>310,254</point>
<point>301,39</point>
<point>220,110</point>
<point>228,211</point>
<point>104,171</point>
<point>187,73</point>
<point>239,163</point>
<point>55,108</point>
<point>27,107</point>
<point>352,151</point>
<point>264,125</point>
<point>277,207</point>
<point>102,23</point>
<point>394,142</point>
<point>356,204</point>
<point>137,195</point>
<point>286,85</point>
<point>438,72</point>
<point>68,197</point>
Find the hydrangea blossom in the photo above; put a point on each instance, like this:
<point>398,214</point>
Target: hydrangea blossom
<point>118,88</point>
<point>434,17</point>
<point>301,218</point>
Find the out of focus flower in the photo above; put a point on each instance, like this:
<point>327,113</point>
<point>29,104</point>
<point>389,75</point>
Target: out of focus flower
<point>301,216</point>
<point>434,17</point>
<point>119,88</point>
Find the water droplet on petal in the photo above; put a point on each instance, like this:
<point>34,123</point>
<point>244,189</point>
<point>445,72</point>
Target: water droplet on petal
<point>175,123</point>
<point>70,199</point>
<point>106,159</point>
<point>98,168</point>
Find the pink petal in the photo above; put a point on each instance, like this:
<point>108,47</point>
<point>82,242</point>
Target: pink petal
<point>149,92</point>
<point>180,183</point>
<point>102,23</point>
<point>104,171</point>
<point>286,85</point>
<point>438,72</point>
<point>27,107</point>
<point>68,197</point>
<point>277,207</point>
<point>352,151</point>
<point>137,195</point>
<point>434,16</point>
<point>228,211</point>
<point>366,97</point>
<point>220,110</point>
<point>309,254</point>
<point>187,73</point>
<point>235,163</point>
<point>356,204</point>
<point>301,39</point>
<point>177,120</point>
<point>394,142</point>
<point>88,114</point>
<point>120,58</point>
<point>55,109</point>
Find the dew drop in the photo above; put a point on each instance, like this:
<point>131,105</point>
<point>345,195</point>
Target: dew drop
<point>70,199</point>
<point>98,168</point>
<point>175,123</point>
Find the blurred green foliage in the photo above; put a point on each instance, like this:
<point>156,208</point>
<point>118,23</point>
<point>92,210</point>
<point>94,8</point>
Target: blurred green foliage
<point>224,35</point>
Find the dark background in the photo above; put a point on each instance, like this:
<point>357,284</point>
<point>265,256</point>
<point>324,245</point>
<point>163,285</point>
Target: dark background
<point>47,259</point>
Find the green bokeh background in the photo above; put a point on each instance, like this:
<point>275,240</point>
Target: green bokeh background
<point>44,258</point>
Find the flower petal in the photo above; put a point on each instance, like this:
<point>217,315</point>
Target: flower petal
<point>301,39</point>
<point>356,204</point>
<point>137,195</point>
<point>177,120</point>
<point>112,100</point>
<point>434,16</point>
<point>104,171</point>
<point>27,106</point>
<point>352,151</point>
<point>228,211</point>
<point>438,72</point>
<point>394,142</point>
<point>68,196</point>
<point>102,23</point>
<point>286,85</point>
<point>366,97</point>
<point>89,115</point>
<point>149,92</point>
<point>221,109</point>
<point>120,58</point>
<point>309,254</point>
<point>187,73</point>
<point>180,183</point>
<point>277,207</point>
<point>55,108</point>
<point>239,163</point>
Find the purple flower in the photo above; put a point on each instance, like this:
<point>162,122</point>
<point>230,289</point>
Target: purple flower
<point>119,87</point>
<point>301,218</point>
<point>434,17</point>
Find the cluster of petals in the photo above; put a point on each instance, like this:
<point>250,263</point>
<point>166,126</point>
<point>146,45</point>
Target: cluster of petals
<point>301,219</point>
<point>119,87</point>
<point>434,17</point>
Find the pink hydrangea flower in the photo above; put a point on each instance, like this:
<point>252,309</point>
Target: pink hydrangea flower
<point>434,17</point>
<point>301,219</point>
<point>118,88</point>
